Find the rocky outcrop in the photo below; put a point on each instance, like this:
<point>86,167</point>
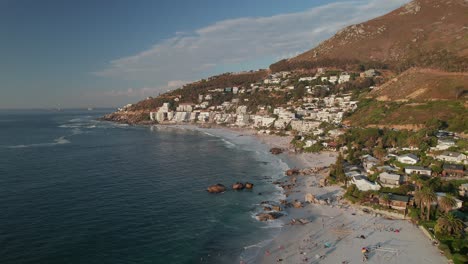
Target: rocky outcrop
<point>238,186</point>
<point>309,198</point>
<point>217,188</point>
<point>297,204</point>
<point>268,216</point>
<point>249,185</point>
<point>292,172</point>
<point>276,151</point>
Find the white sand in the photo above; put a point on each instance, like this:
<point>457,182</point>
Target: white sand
<point>340,225</point>
<point>336,224</point>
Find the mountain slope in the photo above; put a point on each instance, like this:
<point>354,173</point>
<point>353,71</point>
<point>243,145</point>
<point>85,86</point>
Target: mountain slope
<point>426,33</point>
<point>424,84</point>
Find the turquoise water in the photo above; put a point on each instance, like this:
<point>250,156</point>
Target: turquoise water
<point>77,190</point>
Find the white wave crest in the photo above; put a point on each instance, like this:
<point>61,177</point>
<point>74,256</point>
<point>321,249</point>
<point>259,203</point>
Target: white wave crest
<point>58,141</point>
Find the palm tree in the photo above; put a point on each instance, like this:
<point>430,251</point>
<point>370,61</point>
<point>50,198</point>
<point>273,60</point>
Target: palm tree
<point>428,196</point>
<point>448,223</point>
<point>447,203</point>
<point>418,181</point>
<point>418,199</point>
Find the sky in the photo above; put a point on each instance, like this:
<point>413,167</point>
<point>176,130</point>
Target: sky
<point>107,53</point>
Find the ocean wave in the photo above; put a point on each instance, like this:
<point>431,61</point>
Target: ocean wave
<point>228,143</point>
<point>259,244</point>
<point>58,141</point>
<point>209,134</point>
<point>70,126</point>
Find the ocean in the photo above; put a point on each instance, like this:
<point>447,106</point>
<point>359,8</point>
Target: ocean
<point>77,190</point>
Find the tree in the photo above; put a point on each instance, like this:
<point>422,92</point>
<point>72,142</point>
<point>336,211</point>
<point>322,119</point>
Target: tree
<point>449,224</point>
<point>338,170</point>
<point>418,199</point>
<point>428,196</point>
<point>447,203</point>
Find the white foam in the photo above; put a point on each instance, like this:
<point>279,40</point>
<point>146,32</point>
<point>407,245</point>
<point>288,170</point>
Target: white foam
<point>209,134</point>
<point>58,141</point>
<point>228,143</point>
<point>259,244</point>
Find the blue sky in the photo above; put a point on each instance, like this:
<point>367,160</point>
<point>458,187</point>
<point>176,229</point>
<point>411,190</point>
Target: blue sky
<point>105,53</point>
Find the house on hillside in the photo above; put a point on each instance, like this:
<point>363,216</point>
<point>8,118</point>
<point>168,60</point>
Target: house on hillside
<point>418,170</point>
<point>463,190</point>
<point>363,184</point>
<point>389,179</point>
<point>408,159</point>
<point>398,202</point>
<point>344,77</point>
<point>459,203</point>
<point>368,162</point>
<point>368,74</point>
<point>453,170</point>
<point>444,143</point>
<point>454,157</point>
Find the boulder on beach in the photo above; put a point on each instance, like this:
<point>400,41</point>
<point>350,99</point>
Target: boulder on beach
<point>276,151</point>
<point>297,204</point>
<point>238,186</point>
<point>309,198</point>
<point>217,188</point>
<point>268,216</point>
<point>249,185</point>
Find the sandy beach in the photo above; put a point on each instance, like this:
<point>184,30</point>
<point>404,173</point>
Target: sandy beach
<point>334,232</point>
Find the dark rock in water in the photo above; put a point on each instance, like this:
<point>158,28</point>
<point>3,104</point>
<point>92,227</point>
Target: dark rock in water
<point>268,216</point>
<point>276,208</point>
<point>259,193</point>
<point>249,185</point>
<point>217,188</point>
<point>276,151</point>
<point>238,186</point>
<point>292,172</point>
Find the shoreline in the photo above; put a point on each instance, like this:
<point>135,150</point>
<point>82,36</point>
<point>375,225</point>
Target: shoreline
<point>331,233</point>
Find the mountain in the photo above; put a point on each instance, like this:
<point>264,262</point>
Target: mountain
<point>423,84</point>
<point>424,33</point>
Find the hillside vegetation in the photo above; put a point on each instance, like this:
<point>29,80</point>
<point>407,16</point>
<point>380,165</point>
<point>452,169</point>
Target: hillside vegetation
<point>424,84</point>
<point>411,115</point>
<point>424,33</point>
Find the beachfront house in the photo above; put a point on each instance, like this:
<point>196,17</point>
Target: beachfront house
<point>408,159</point>
<point>389,179</point>
<point>395,201</point>
<point>453,170</point>
<point>458,202</point>
<point>363,184</point>
<point>417,170</point>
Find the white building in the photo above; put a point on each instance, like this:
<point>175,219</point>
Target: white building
<point>418,170</point>
<point>307,79</point>
<point>344,77</point>
<point>454,157</point>
<point>459,203</point>
<point>389,179</point>
<point>363,184</point>
<point>444,143</point>
<point>408,159</point>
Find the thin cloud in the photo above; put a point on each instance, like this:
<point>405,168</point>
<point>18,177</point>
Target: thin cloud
<point>242,41</point>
